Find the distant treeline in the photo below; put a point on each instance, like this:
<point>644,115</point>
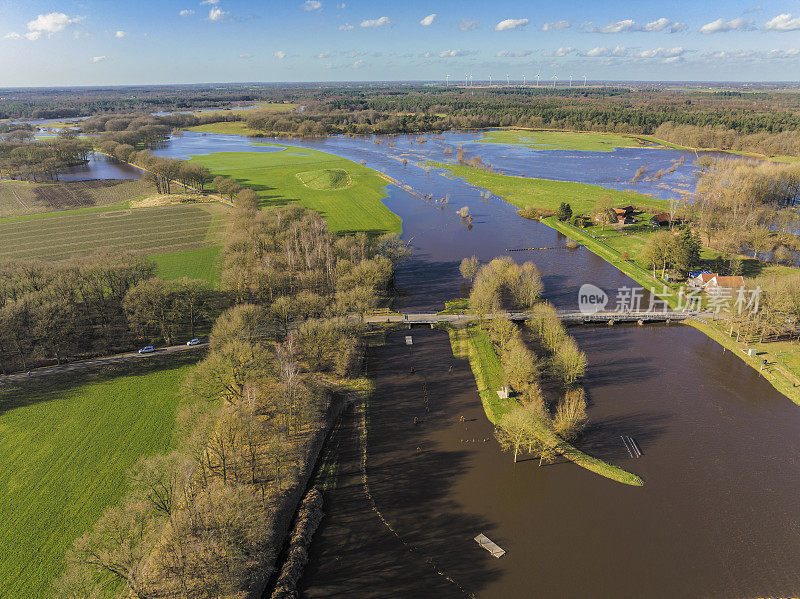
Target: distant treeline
<point>410,108</point>
<point>75,102</point>
<point>22,157</point>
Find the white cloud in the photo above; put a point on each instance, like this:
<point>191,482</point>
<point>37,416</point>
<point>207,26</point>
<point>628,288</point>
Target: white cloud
<point>279,54</point>
<point>563,51</point>
<point>12,36</point>
<point>246,55</point>
<point>310,5</point>
<point>677,27</point>
<point>790,53</point>
<point>358,64</point>
<point>376,22</point>
<point>658,24</point>
<point>468,24</point>
<point>556,25</point>
<point>617,27</point>
<point>672,60</point>
<point>453,53</point>
<point>186,12</point>
<point>213,2</point>
<point>346,27</point>
<point>510,54</point>
<point>97,58</point>
<point>753,9</point>
<point>50,23</point>
<point>322,55</point>
<point>721,25</point>
<point>509,24</point>
<point>216,14</point>
<point>341,6</point>
<point>428,20</point>
<point>662,53</point>
<point>602,51</point>
<point>120,34</point>
<point>783,22</point>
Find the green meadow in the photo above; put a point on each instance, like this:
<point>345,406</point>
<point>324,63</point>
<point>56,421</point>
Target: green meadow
<point>546,194</point>
<point>69,443</point>
<point>347,194</point>
<point>562,140</point>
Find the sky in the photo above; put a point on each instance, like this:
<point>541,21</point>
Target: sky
<point>63,42</point>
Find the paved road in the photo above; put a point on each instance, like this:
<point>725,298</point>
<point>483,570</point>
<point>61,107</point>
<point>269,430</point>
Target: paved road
<point>566,315</point>
<point>104,361</point>
<point>419,318</point>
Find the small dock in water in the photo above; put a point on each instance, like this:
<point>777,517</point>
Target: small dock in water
<point>490,545</point>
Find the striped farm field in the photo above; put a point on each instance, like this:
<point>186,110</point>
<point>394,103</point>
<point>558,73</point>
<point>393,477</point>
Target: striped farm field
<point>155,230</point>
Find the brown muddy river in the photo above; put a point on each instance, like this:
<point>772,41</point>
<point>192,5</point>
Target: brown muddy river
<point>716,518</point>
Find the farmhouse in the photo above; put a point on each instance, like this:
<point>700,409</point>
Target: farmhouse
<point>663,220</point>
<point>713,283</point>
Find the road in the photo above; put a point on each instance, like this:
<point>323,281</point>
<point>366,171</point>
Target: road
<point>570,316</point>
<point>103,361</point>
<point>573,317</point>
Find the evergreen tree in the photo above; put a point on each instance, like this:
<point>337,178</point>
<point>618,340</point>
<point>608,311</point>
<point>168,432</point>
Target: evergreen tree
<point>564,212</point>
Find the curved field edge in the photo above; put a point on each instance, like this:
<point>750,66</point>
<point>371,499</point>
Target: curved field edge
<point>472,344</point>
<point>548,194</point>
<point>541,139</point>
<point>70,442</point>
<point>274,177</point>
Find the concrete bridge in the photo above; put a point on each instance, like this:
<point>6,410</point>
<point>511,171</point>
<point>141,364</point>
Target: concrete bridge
<point>574,317</point>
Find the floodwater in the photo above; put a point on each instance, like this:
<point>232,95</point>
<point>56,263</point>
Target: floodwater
<point>716,518</point>
<point>721,454</point>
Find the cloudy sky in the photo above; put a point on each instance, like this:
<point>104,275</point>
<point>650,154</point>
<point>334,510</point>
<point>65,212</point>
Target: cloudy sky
<point>187,41</point>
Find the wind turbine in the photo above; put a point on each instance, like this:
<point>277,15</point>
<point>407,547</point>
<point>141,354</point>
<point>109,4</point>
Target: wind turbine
<point>490,81</point>
<point>523,79</point>
<point>447,80</point>
<point>537,77</point>
<point>555,78</point>
<point>508,81</point>
<point>466,79</point>
<point>570,80</point>
<point>584,81</point>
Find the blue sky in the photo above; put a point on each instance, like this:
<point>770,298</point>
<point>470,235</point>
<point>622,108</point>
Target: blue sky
<point>167,41</point>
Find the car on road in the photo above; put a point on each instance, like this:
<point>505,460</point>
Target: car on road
<point>193,342</point>
<point>147,350</point>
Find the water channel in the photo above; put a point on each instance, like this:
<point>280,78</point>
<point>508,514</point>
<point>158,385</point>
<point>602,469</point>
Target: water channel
<point>721,454</point>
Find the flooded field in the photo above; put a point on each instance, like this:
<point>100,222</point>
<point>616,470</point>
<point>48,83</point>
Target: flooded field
<point>721,457</point>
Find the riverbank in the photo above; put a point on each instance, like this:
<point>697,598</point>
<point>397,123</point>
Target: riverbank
<point>474,345</point>
<point>778,372</point>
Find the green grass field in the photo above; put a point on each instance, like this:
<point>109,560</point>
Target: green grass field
<point>68,445</point>
<point>548,195</point>
<point>199,264</point>
<point>562,140</point>
<point>278,178</point>
<point>232,128</point>
<point>22,197</point>
<point>61,235</point>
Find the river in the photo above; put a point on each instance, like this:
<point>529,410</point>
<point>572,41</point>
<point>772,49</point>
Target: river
<point>721,454</point>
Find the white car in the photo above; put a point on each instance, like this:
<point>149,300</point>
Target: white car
<point>193,342</point>
<point>147,350</point>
